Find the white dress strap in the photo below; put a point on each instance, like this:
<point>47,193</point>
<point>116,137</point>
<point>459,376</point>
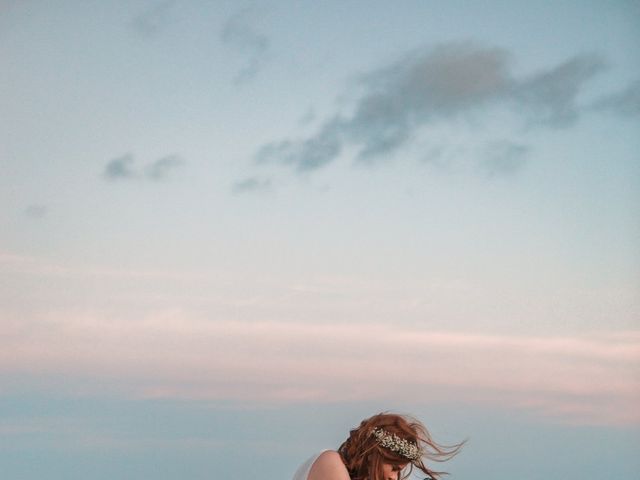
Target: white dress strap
<point>303,471</point>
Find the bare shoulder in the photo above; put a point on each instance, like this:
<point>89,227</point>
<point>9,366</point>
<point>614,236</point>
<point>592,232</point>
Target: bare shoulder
<point>328,466</point>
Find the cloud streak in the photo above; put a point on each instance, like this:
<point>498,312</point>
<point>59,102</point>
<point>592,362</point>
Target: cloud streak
<point>429,86</point>
<point>590,379</point>
<point>124,168</point>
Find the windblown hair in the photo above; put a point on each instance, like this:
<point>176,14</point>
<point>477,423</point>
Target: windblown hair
<point>364,456</point>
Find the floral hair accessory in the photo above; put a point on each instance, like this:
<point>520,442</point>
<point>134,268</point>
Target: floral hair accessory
<point>396,444</point>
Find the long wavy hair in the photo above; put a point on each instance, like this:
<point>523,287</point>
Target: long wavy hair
<point>364,457</point>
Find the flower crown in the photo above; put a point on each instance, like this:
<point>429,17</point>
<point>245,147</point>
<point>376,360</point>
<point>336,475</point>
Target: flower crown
<point>396,444</point>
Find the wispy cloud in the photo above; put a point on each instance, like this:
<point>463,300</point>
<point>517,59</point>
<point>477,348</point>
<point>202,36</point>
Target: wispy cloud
<point>151,21</point>
<point>585,378</point>
<point>435,85</point>
<point>504,158</point>
<point>124,168</point>
<point>239,33</point>
<point>119,168</point>
<point>36,211</point>
<point>308,117</point>
<point>550,97</point>
<point>626,102</point>
<point>161,168</point>
<point>251,184</point>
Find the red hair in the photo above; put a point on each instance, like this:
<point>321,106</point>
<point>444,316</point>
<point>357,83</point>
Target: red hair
<point>364,457</point>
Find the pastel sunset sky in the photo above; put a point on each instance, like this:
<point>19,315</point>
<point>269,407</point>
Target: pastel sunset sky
<point>230,230</point>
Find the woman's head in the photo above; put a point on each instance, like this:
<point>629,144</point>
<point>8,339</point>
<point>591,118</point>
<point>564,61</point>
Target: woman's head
<point>383,445</point>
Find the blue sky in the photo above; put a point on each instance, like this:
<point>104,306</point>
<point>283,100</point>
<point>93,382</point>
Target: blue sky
<point>231,230</point>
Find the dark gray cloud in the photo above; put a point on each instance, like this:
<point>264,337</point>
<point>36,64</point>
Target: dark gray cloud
<point>310,153</point>
<point>124,168</point>
<point>625,102</point>
<point>251,184</point>
<point>120,168</point>
<point>435,85</point>
<point>151,21</point>
<point>504,158</point>
<point>36,211</point>
<point>239,33</point>
<point>161,168</point>
<point>549,97</point>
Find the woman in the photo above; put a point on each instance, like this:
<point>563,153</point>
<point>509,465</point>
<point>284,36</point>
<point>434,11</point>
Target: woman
<point>384,447</point>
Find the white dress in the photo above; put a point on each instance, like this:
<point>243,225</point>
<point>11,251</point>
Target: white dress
<point>303,471</point>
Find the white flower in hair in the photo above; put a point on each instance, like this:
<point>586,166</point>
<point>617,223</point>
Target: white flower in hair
<point>396,444</point>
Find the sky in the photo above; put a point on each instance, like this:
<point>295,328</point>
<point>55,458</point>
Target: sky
<point>231,230</point>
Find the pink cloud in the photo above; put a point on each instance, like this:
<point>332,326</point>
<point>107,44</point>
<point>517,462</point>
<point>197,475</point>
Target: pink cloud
<point>591,378</point>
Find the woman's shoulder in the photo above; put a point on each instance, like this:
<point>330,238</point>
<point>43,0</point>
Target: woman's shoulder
<point>328,466</point>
